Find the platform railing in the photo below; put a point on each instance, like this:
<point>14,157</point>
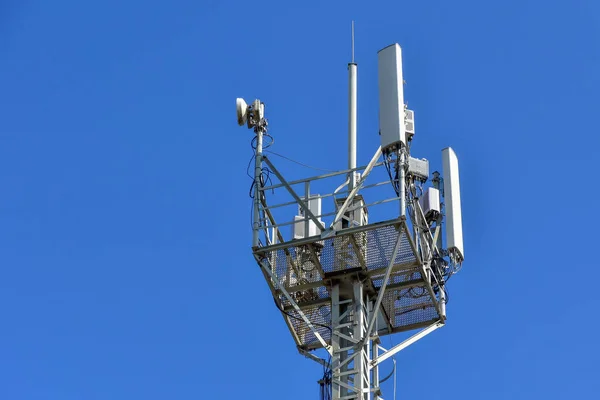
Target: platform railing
<point>281,200</point>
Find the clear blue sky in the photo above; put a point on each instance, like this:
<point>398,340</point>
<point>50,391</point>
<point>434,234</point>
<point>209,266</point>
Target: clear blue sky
<point>125,263</point>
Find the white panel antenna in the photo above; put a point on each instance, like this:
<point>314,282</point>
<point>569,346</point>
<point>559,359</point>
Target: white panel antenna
<point>454,235</point>
<point>392,127</point>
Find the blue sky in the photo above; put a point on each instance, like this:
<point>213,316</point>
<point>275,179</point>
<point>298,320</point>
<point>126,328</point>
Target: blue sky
<point>125,263</point>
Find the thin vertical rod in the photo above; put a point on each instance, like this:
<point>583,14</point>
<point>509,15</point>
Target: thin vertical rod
<point>395,380</point>
<point>257,186</point>
<point>437,184</point>
<point>361,361</point>
<point>402,183</point>
<point>352,111</point>
<point>306,219</point>
<point>374,354</point>
<point>442,302</point>
<point>353,42</point>
<point>336,389</point>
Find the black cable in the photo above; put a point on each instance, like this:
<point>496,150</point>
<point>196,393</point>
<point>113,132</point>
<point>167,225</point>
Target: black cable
<point>326,315</point>
<point>449,274</point>
<point>248,167</point>
<point>265,173</point>
<point>266,146</point>
<point>251,211</point>
<point>325,382</point>
<point>389,376</point>
<point>394,182</point>
<point>298,162</point>
<point>411,293</point>
<point>265,177</point>
<point>298,318</point>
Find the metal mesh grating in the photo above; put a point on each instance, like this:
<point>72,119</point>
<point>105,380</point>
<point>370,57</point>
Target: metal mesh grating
<point>402,276</point>
<point>320,317</point>
<point>301,266</point>
<point>370,250</point>
<point>380,245</point>
<point>409,307</point>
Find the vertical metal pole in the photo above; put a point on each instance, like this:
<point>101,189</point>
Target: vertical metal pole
<point>306,220</point>
<point>442,302</point>
<point>415,224</point>
<point>436,181</point>
<point>335,341</point>
<point>394,360</point>
<point>352,111</point>
<point>374,355</point>
<point>437,184</point>
<point>361,361</point>
<point>358,333</point>
<point>257,186</point>
<point>344,343</point>
<point>402,183</point>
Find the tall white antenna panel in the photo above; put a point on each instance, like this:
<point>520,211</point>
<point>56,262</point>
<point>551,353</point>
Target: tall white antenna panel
<point>454,235</point>
<point>391,98</point>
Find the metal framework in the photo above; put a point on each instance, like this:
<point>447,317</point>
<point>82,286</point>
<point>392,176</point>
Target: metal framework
<point>342,289</point>
<point>342,273</point>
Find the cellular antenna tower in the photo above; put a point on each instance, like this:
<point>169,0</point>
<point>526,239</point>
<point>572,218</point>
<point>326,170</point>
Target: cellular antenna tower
<point>369,257</point>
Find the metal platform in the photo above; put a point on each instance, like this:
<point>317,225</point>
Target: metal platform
<point>307,268</point>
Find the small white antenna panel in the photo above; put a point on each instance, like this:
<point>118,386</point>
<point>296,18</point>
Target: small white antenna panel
<point>409,123</point>
<point>430,203</point>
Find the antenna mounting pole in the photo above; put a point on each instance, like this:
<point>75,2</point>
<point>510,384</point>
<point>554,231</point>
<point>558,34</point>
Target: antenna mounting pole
<point>352,71</point>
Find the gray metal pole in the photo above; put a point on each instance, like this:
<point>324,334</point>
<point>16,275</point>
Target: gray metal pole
<point>257,186</point>
<point>352,111</point>
<point>362,360</point>
<point>336,389</point>
<point>437,184</point>
<point>402,183</point>
<point>374,354</point>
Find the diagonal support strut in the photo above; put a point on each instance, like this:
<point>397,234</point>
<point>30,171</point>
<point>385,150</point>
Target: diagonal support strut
<point>297,308</point>
<point>384,283</point>
<point>358,186</point>
<point>301,202</point>
<point>406,343</point>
